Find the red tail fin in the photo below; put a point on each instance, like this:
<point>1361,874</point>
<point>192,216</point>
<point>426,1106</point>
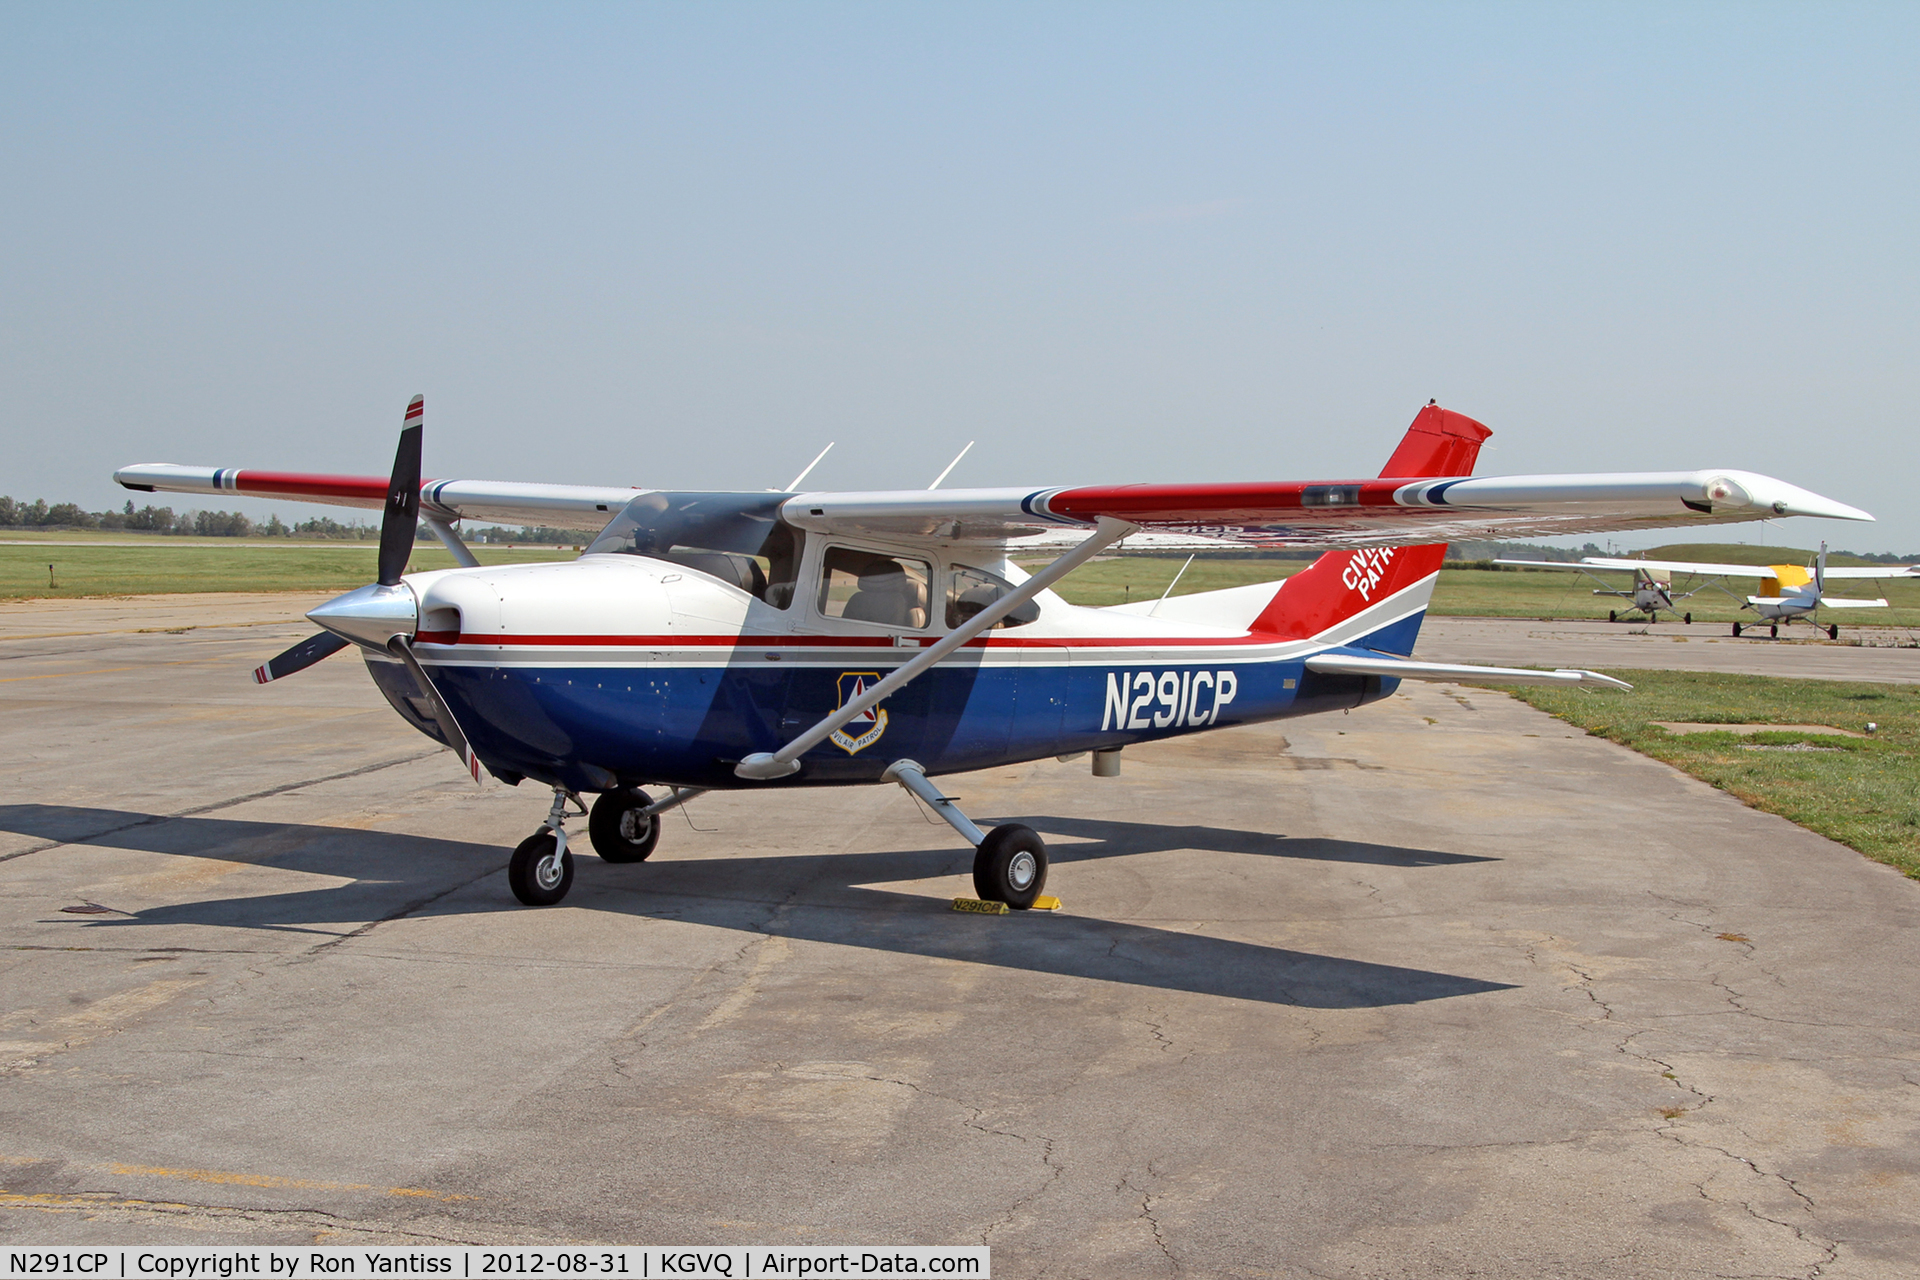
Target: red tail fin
<point>1341,584</point>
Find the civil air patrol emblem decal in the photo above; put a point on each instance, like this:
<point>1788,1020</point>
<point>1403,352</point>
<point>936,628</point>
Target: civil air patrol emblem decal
<point>864,729</point>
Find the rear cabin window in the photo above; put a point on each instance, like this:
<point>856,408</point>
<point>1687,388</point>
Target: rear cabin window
<point>866,586</point>
<point>741,541</point>
<point>972,590</point>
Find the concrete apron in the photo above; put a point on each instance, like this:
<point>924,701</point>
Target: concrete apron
<point>1439,988</point>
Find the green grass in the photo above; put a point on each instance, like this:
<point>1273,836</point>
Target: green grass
<point>171,565</point>
<point>1123,578</point>
<point>1862,792</point>
<point>156,565</point>
<point>1478,593</point>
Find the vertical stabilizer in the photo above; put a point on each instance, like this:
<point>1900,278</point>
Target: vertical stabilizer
<point>1379,593</point>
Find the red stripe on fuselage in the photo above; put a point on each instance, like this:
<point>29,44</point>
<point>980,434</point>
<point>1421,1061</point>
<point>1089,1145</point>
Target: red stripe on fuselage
<point>450,639</point>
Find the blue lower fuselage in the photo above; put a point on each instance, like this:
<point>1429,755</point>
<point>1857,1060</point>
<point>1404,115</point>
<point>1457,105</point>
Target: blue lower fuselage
<point>686,719</point>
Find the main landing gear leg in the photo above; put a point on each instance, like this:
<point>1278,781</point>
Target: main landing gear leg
<point>541,869</point>
<point>1009,862</point>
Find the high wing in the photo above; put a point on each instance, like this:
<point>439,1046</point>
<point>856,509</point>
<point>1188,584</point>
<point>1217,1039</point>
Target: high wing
<point>1718,570</point>
<point>1874,571</point>
<point>1340,513</point>
<point>445,499</point>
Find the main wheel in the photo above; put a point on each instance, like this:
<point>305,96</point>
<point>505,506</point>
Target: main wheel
<point>1736,631</point>
<point>620,832</point>
<point>1010,866</point>
<point>1613,615</point>
<point>1774,631</point>
<point>530,871</point>
<point>1688,619</point>
<point>1833,632</point>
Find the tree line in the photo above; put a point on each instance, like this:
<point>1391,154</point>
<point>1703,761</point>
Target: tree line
<point>39,514</point>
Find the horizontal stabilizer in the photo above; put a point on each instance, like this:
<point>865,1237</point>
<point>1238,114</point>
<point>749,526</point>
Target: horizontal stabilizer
<point>1401,669</point>
<point>1825,602</point>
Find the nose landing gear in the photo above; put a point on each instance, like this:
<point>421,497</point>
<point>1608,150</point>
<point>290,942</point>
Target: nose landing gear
<point>541,869</point>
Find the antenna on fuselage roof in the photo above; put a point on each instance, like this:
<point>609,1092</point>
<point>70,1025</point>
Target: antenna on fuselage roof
<point>808,469</point>
<point>950,466</point>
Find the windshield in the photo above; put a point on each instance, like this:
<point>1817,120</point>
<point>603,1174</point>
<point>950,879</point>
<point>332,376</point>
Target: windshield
<point>737,538</point>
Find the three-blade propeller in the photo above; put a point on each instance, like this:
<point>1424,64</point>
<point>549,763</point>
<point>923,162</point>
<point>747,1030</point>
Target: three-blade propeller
<point>398,523</point>
<point>383,615</point>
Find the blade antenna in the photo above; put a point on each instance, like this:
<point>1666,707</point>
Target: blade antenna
<point>950,466</point>
<point>1170,586</point>
<point>808,469</point>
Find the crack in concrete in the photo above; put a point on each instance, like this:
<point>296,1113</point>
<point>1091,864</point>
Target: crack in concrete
<point>1157,1030</point>
<point>314,952</point>
<point>1152,1220</point>
<point>1702,1099</point>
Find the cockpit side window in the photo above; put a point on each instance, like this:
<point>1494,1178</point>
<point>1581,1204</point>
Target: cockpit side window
<point>970,590</point>
<point>741,541</point>
<point>867,586</point>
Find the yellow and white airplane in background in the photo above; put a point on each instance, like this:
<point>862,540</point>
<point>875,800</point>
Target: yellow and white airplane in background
<point>1788,592</point>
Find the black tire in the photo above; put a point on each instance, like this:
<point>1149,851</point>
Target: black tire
<point>1010,866</point>
<point>619,831</point>
<point>1613,615</point>
<point>1687,618</point>
<point>1736,631</point>
<point>1833,632</point>
<point>1773,631</point>
<point>523,871</point>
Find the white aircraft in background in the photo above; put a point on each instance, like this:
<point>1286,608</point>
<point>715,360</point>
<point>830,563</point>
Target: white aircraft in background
<point>1650,594</point>
<point>1789,593</point>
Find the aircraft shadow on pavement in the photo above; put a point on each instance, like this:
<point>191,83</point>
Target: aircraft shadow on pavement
<point>819,898</point>
<point>1107,838</point>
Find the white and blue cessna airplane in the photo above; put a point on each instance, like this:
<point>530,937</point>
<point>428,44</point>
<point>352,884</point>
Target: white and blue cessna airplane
<point>770,640</point>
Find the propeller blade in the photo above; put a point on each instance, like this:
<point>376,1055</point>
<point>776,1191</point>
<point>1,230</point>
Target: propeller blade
<point>300,657</point>
<point>402,517</point>
<point>442,714</point>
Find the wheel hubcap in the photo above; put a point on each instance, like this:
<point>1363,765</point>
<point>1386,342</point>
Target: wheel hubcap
<point>547,871</point>
<point>1022,869</point>
<point>634,826</point>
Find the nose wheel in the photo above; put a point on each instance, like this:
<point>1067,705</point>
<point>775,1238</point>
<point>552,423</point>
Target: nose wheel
<point>541,869</point>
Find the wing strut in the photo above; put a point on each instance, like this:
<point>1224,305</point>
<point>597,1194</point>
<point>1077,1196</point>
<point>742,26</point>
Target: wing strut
<point>450,540</point>
<point>762,765</point>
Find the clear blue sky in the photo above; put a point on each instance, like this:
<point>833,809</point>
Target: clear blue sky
<point>685,245</point>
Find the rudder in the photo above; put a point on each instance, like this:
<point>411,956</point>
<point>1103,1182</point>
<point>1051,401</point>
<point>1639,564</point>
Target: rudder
<point>1392,584</point>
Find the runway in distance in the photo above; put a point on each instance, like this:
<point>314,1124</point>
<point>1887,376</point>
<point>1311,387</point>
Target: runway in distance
<point>1788,592</point>
<point>756,640</point>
